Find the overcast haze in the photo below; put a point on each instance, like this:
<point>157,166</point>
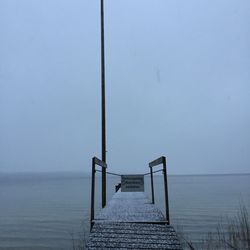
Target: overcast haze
<point>177,84</point>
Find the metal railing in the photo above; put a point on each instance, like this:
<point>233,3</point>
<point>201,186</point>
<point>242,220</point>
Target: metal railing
<point>103,165</point>
<point>159,161</point>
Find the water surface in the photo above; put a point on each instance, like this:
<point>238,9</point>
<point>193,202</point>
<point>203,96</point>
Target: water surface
<point>44,211</point>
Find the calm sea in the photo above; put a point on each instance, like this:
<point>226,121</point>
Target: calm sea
<point>45,211</point>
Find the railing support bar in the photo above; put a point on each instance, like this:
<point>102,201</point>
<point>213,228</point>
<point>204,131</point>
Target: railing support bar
<point>96,161</point>
<point>152,185</point>
<point>92,209</point>
<point>103,187</point>
<point>166,189</point>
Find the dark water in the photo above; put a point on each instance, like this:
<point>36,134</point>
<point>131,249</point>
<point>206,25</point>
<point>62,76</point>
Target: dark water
<point>44,211</point>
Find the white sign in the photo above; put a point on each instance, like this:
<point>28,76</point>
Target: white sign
<point>132,183</point>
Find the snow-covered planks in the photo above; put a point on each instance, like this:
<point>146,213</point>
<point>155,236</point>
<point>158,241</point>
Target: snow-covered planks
<point>130,221</point>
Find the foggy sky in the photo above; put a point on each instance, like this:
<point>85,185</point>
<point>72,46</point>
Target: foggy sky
<point>177,84</point>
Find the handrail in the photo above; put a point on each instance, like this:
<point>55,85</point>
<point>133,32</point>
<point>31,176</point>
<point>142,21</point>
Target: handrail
<point>161,160</point>
<point>153,172</point>
<point>103,165</point>
<point>109,173</point>
<point>158,161</point>
<point>99,162</point>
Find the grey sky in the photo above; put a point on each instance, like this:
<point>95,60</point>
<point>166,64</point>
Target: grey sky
<point>177,75</point>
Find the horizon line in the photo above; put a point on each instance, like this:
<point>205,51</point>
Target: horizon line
<point>89,173</point>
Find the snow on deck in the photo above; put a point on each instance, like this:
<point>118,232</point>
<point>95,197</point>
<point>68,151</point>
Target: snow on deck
<point>131,221</point>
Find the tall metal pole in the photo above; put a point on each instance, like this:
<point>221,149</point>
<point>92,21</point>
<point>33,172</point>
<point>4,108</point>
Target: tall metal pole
<point>103,106</point>
<point>103,85</point>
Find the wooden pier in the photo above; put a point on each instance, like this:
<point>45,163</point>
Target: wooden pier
<point>130,220</point>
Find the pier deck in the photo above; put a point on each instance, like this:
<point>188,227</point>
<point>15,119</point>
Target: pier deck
<point>131,221</point>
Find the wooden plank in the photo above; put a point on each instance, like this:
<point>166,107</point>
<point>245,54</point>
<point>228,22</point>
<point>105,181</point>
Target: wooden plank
<point>128,245</point>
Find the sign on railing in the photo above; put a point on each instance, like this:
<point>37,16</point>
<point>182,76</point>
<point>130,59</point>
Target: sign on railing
<point>132,183</point>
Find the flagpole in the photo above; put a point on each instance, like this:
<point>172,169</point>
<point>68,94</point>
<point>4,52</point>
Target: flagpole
<point>103,103</point>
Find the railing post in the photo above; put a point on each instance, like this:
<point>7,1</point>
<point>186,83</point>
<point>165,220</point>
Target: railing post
<point>152,185</point>
<point>92,209</point>
<point>166,189</point>
<point>103,187</point>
